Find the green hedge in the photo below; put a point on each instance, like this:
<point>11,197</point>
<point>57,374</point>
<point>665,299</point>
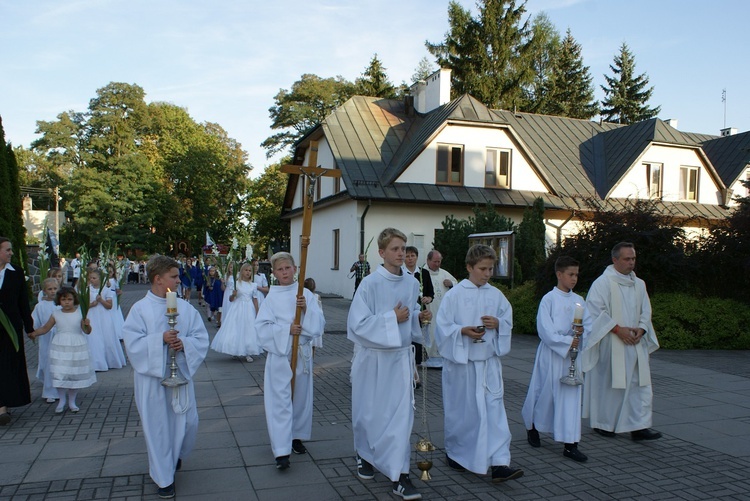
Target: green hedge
<point>682,321</point>
<point>522,298</point>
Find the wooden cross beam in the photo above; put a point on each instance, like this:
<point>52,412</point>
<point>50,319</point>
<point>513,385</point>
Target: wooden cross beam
<point>309,175</point>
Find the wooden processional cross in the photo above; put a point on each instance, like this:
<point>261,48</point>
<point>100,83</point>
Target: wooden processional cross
<point>309,175</point>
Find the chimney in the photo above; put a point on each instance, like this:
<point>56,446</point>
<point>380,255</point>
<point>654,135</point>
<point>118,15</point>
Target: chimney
<point>728,131</point>
<point>409,105</point>
<point>432,92</point>
<point>672,122</point>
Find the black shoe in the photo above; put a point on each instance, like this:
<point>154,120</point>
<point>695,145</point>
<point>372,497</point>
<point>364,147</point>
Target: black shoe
<point>4,418</point>
<point>179,465</point>
<point>298,447</point>
<point>504,473</point>
<point>364,469</point>
<point>166,492</point>
<point>532,436</point>
<point>454,465</point>
<point>282,462</point>
<point>571,451</point>
<point>605,433</point>
<point>645,434</point>
<point>405,489</point>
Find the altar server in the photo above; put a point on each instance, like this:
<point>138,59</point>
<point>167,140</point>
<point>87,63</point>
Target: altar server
<point>383,322</point>
<point>289,420</point>
<point>169,416</point>
<point>472,332</point>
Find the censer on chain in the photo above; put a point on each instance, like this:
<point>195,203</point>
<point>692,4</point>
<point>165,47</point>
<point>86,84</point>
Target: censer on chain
<point>424,445</point>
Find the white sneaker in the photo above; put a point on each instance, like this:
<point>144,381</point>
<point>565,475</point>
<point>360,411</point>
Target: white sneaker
<point>248,358</point>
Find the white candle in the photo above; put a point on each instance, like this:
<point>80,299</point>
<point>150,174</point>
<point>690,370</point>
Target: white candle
<point>171,301</point>
<point>578,315</point>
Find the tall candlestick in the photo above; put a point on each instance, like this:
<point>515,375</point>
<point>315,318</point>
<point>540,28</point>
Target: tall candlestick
<point>578,315</point>
<point>171,302</point>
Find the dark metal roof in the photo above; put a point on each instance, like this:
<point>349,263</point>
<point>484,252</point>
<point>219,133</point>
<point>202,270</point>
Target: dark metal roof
<point>730,155</point>
<point>374,140</point>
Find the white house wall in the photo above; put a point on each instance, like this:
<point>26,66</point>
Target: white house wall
<point>738,189</point>
<point>475,141</point>
<point>634,184</point>
<point>412,219</point>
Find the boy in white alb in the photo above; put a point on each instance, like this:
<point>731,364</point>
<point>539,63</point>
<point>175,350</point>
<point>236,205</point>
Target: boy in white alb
<point>383,321</point>
<point>472,332</point>
<point>169,416</point>
<point>551,406</point>
<point>289,419</point>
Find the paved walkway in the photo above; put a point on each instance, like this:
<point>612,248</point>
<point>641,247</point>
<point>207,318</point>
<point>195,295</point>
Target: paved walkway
<point>702,405</point>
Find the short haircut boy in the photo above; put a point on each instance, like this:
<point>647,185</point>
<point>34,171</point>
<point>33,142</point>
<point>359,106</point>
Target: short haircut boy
<point>410,249</point>
<point>387,235</point>
<point>564,262</point>
<point>281,256</point>
<point>159,265</point>
<point>479,252</point>
<point>66,291</point>
<point>49,281</point>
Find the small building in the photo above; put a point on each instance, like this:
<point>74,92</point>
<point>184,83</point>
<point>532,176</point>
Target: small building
<point>409,163</point>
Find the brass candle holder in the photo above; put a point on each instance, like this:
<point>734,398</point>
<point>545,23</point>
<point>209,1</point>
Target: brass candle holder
<point>174,380</point>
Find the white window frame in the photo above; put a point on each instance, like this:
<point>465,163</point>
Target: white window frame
<point>449,154</point>
<point>493,165</point>
<point>689,175</point>
<point>655,189</point>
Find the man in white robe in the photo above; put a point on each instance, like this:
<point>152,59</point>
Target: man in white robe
<point>473,330</point>
<point>442,282</point>
<point>617,395</point>
<point>169,416</point>
<point>383,322</point>
<point>551,406</point>
<point>288,419</point>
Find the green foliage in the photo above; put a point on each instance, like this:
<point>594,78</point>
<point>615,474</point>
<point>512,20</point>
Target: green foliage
<point>308,102</point>
<point>489,55</point>
<point>374,81</point>
<point>6,196</point>
<point>626,95</point>
<point>17,229</point>
<point>724,258</point>
<point>659,243</point>
<point>525,305</point>
<point>142,175</point>
<point>530,243</point>
<point>424,69</point>
<point>545,44</point>
<point>568,90</point>
<point>265,199</point>
<point>684,322</point>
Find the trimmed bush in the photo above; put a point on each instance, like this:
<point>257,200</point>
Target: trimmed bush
<point>525,305</point>
<point>684,322</point>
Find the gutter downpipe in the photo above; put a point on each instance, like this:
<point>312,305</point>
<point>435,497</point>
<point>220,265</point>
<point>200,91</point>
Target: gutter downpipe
<point>362,228</point>
<point>559,228</point>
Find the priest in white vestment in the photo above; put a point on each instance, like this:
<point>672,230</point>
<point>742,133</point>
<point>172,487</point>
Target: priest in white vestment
<point>442,282</point>
<point>617,395</point>
<point>169,416</point>
<point>288,420</point>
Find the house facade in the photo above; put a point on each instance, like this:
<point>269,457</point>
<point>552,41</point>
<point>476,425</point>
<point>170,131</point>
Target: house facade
<point>409,164</point>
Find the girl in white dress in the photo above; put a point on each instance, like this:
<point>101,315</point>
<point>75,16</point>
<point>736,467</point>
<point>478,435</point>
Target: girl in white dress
<point>237,334</point>
<point>70,362</point>
<point>227,286</point>
<point>106,350</point>
<point>42,311</point>
<point>114,286</point>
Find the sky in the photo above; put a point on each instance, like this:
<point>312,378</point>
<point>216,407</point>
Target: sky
<point>224,61</point>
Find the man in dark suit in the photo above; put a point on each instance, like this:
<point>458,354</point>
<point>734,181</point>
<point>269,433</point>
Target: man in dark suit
<point>14,302</point>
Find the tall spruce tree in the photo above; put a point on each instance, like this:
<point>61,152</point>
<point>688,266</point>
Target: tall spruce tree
<point>488,55</point>
<point>542,53</point>
<point>11,208</point>
<point>569,91</point>
<point>6,206</point>
<point>626,95</point>
<point>374,81</point>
